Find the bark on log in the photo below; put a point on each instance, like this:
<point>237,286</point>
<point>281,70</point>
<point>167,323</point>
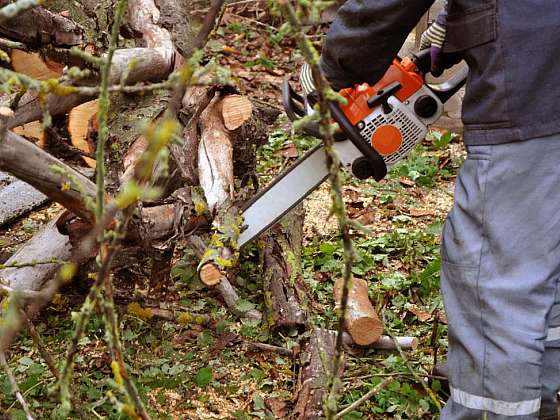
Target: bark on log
<point>317,358</point>
<point>32,165</point>
<point>282,271</point>
<point>17,198</point>
<point>44,246</point>
<point>39,27</point>
<point>361,321</point>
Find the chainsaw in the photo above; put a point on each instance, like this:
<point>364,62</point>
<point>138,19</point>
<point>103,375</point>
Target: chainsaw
<point>379,126</point>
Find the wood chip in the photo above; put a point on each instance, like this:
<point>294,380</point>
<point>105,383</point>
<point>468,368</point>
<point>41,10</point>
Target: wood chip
<point>407,182</point>
<point>420,212</point>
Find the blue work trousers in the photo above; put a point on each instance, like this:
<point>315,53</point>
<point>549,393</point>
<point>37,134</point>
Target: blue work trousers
<point>499,278</point>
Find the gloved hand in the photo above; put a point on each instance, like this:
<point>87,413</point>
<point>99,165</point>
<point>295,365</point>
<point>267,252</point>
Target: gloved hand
<point>433,38</point>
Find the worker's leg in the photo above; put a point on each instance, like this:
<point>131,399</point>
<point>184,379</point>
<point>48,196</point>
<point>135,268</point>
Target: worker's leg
<point>551,366</point>
<point>500,269</point>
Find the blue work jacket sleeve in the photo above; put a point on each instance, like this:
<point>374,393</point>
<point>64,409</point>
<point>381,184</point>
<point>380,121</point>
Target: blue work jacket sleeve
<point>366,36</point>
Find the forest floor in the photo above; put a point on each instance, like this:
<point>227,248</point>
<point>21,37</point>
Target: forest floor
<point>207,368</point>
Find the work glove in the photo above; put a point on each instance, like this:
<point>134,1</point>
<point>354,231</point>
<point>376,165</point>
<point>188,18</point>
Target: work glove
<point>433,38</point>
<point>306,80</point>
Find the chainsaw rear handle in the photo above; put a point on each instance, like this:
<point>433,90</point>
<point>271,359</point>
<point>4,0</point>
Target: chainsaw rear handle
<point>444,91</point>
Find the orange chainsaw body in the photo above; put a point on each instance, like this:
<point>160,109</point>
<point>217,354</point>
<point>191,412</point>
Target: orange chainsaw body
<point>405,72</point>
<point>394,130</point>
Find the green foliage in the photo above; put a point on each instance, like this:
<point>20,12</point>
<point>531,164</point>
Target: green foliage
<point>203,377</point>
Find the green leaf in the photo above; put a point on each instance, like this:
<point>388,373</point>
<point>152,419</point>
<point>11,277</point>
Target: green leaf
<point>243,305</point>
<point>203,377</point>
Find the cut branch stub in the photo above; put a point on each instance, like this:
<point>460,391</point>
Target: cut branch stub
<point>210,274</point>
<point>236,109</point>
<point>361,320</point>
<point>82,124</point>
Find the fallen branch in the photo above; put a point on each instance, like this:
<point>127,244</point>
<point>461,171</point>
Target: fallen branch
<point>47,243</point>
<point>33,165</point>
<point>39,27</point>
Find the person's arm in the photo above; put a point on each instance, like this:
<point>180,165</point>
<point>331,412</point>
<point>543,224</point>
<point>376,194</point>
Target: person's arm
<point>366,36</point>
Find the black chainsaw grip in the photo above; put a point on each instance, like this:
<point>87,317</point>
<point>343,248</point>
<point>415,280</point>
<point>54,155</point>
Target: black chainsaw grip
<point>294,104</point>
<point>377,164</point>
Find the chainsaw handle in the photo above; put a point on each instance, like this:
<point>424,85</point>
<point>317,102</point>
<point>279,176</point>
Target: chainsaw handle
<point>447,89</point>
<point>451,86</point>
<point>294,104</point>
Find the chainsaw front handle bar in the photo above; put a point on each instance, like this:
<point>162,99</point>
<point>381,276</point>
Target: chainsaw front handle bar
<point>294,105</point>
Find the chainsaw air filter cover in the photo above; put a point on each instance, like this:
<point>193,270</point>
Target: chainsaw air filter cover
<point>395,133</point>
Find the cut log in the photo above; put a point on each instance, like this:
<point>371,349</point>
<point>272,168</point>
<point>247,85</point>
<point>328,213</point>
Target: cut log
<point>317,359</point>
<point>361,321</point>
<point>215,157</point>
<point>44,246</point>
<point>236,109</point>
<point>210,275</point>
<point>33,65</point>
<point>82,124</point>
<point>283,278</point>
<point>17,198</point>
<point>32,130</point>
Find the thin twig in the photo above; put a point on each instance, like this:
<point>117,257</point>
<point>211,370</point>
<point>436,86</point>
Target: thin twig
<point>103,111</point>
<point>363,398</point>
<point>8,43</point>
<point>15,387</point>
<point>338,208</point>
<point>47,357</point>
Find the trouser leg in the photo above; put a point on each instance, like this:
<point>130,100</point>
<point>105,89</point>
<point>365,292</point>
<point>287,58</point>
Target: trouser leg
<point>500,269</point>
<point>551,366</point>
